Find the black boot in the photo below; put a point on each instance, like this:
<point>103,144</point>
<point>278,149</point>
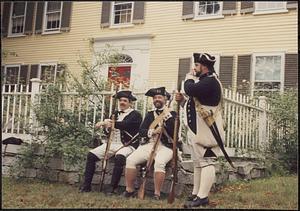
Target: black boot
<point>120,161</point>
<point>197,202</point>
<point>189,199</point>
<point>89,172</point>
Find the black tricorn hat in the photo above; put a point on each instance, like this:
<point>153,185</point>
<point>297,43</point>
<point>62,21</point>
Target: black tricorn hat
<point>126,94</point>
<point>205,59</point>
<point>158,91</point>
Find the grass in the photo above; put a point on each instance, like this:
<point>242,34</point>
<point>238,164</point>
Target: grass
<point>270,193</point>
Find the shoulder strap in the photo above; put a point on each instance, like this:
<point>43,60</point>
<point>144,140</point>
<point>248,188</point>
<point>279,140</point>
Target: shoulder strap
<point>159,118</point>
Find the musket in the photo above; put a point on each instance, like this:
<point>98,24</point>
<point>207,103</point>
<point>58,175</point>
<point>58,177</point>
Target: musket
<point>110,135</point>
<point>141,192</point>
<point>174,175</point>
<point>125,145</point>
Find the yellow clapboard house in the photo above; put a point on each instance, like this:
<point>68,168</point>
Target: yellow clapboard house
<point>254,42</point>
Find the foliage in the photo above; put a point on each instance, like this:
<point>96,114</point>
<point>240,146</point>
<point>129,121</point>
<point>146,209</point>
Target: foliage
<point>58,127</point>
<point>284,135</point>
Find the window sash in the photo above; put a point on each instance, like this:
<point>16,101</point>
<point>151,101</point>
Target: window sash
<point>46,75</point>
<point>122,16</point>
<point>205,6</point>
<point>17,22</point>
<point>269,6</point>
<point>15,80</point>
<point>275,84</point>
<point>52,20</point>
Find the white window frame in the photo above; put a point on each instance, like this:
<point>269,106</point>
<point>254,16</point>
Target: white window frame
<point>254,55</point>
<point>47,64</point>
<point>205,17</point>
<point>10,34</point>
<point>5,72</point>
<point>258,11</point>
<point>112,15</point>
<point>51,31</point>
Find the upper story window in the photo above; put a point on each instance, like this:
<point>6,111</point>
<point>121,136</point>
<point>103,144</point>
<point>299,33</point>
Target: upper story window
<point>208,9</point>
<point>270,6</point>
<point>52,19</point>
<point>122,13</point>
<point>18,14</point>
<point>268,72</point>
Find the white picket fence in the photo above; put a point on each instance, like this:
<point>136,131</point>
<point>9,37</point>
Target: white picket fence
<point>246,120</point>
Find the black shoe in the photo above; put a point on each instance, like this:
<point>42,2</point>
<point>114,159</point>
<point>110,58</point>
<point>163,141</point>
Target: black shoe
<point>197,202</point>
<point>189,199</point>
<point>85,189</point>
<point>127,194</point>
<point>156,197</point>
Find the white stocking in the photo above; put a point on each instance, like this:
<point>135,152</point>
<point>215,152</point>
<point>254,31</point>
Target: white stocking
<point>197,177</point>
<point>206,181</point>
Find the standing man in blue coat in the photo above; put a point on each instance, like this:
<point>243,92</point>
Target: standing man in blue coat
<point>203,88</point>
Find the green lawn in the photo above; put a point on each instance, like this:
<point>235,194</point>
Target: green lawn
<point>270,193</point>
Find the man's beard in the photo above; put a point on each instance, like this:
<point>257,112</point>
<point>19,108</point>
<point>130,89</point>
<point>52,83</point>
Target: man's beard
<point>158,104</point>
<point>199,73</point>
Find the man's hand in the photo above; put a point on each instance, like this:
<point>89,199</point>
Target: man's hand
<point>107,123</point>
<point>179,97</point>
<point>99,124</point>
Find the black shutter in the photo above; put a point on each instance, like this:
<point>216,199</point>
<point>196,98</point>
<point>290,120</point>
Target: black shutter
<point>5,20</point>
<point>292,4</point>
<point>34,71</point>
<point>183,68</point>
<point>247,6</point>
<point>39,17</point>
<point>229,7</point>
<point>226,69</point>
<point>291,70</point>
<point>138,13</point>
<point>243,73</point>
<point>187,10</point>
<point>29,17</point>
<point>33,74</point>
<point>105,15</point>
<point>66,16</point>
<point>24,74</point>
<point>2,75</point>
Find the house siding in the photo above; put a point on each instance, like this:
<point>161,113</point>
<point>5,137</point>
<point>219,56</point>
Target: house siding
<point>174,38</point>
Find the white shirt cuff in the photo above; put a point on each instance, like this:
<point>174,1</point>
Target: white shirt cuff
<point>150,131</point>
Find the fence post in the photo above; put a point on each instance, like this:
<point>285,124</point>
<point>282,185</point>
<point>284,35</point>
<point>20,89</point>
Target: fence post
<point>35,89</point>
<point>262,133</point>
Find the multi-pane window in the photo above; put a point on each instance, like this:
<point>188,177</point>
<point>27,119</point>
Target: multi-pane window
<point>208,8</point>
<point>12,75</point>
<point>122,12</point>
<point>269,5</point>
<point>268,72</point>
<point>48,73</point>
<point>53,15</point>
<point>18,18</point>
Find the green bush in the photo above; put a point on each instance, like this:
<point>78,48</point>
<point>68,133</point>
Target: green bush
<point>283,146</point>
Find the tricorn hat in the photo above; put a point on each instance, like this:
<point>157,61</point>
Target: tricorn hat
<point>158,91</point>
<point>204,59</point>
<point>126,94</point>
